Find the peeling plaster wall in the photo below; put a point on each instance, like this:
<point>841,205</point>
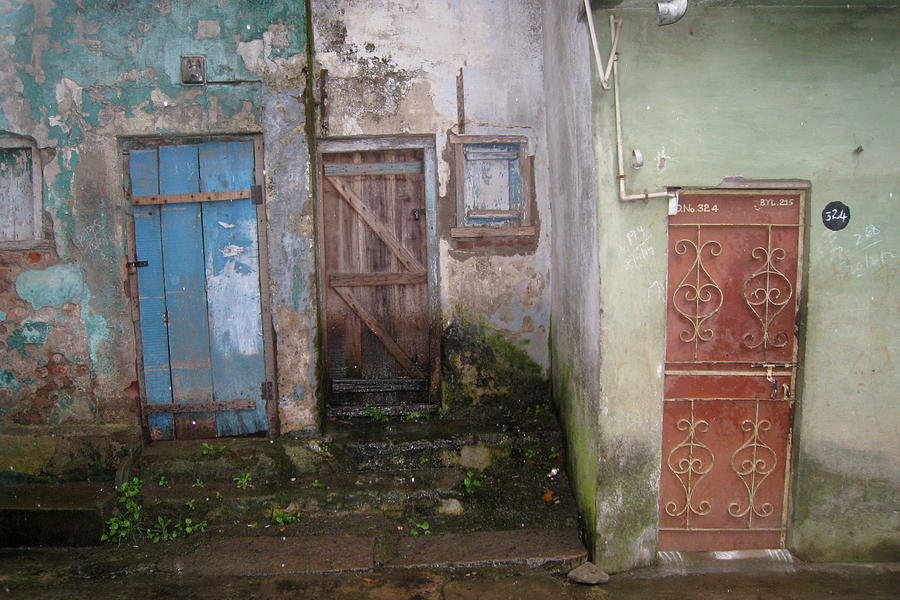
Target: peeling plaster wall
<point>392,69</point>
<point>769,93</point>
<point>77,77</point>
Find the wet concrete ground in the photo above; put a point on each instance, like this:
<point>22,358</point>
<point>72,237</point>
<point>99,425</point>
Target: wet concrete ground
<point>49,574</point>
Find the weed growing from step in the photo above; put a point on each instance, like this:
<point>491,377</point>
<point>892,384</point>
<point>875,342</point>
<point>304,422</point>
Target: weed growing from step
<point>125,527</point>
<point>416,416</point>
<point>280,517</point>
<point>244,481</point>
<point>165,530</point>
<point>422,528</point>
<point>198,483</point>
<point>318,484</point>
<point>471,482</point>
<point>377,415</point>
<point>191,504</point>
<point>163,481</point>
<point>210,450</point>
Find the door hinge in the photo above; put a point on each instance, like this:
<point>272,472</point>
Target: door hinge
<point>267,390</point>
<point>136,264</point>
<point>256,194</point>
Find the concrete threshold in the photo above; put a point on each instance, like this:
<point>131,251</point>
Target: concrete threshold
<point>730,561</point>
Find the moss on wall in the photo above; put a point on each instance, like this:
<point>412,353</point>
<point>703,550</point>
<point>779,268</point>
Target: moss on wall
<point>487,377</point>
<point>842,517</point>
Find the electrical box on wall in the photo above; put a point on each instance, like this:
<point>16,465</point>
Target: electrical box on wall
<point>193,69</point>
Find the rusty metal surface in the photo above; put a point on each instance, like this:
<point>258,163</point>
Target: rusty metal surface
<point>731,364</point>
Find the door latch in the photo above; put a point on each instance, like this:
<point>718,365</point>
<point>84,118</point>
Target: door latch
<point>136,264</point>
<point>417,212</point>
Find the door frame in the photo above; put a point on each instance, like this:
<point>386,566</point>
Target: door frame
<point>425,143</point>
<point>270,391</point>
<point>768,186</point>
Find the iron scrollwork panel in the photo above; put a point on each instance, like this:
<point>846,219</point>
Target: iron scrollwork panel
<point>690,461</point>
<point>698,296</point>
<point>767,292</point>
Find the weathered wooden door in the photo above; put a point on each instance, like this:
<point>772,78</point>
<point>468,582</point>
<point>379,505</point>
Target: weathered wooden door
<point>731,367</point>
<point>198,278</point>
<point>374,276</point>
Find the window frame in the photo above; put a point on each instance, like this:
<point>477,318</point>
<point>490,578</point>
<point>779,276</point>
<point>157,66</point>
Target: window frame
<point>13,142</point>
<point>525,227</point>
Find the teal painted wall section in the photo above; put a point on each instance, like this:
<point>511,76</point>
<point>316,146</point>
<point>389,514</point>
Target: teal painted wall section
<point>763,93</point>
<point>52,286</point>
<point>78,78</point>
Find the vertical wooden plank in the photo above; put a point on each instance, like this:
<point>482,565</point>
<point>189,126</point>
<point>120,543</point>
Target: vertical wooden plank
<point>429,183</point>
<point>182,244</point>
<point>143,171</point>
<point>231,256</point>
<point>268,329</point>
<point>16,218</point>
<point>354,261</point>
<point>460,170</point>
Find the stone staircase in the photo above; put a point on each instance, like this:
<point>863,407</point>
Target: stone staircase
<point>412,493</point>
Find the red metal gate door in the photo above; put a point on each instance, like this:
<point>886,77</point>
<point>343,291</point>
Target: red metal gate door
<point>731,366</point>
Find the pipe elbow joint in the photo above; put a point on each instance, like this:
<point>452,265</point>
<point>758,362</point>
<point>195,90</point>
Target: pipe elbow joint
<point>669,11</point>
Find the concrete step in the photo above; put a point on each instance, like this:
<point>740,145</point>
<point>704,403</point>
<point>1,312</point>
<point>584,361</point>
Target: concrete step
<point>413,446</point>
<point>69,514</point>
<point>552,549</point>
<point>221,556</point>
<point>308,496</point>
<point>214,461</point>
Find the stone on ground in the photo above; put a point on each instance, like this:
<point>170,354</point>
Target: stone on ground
<point>588,574</point>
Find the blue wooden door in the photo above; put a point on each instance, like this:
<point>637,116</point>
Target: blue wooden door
<point>199,295</point>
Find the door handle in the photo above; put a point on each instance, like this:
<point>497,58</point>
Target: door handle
<point>417,212</point>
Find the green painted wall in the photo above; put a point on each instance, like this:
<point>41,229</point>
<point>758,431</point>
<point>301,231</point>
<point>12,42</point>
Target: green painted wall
<point>761,93</point>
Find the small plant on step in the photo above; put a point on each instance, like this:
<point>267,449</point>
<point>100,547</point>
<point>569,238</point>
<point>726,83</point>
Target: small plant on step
<point>422,528</point>
<point>163,481</point>
<point>244,481</point>
<point>280,517</point>
<point>210,450</point>
<point>377,415</point>
<point>191,504</point>
<point>551,457</point>
<point>124,526</point>
<point>191,526</point>
<point>162,530</point>
<point>471,482</point>
<point>318,484</point>
<point>198,483</point>
<point>416,415</point>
